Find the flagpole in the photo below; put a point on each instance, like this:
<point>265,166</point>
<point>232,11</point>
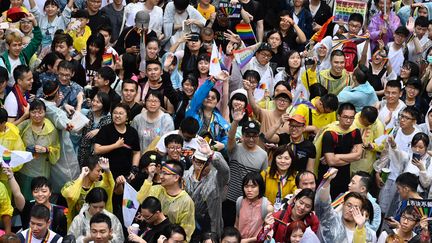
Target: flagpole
<point>253,32</point>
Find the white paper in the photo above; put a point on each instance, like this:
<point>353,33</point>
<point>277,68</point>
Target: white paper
<point>79,121</point>
<point>215,67</point>
<point>309,237</point>
<point>379,140</point>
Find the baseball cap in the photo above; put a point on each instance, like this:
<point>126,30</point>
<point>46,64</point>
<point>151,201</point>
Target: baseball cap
<point>265,47</point>
<point>284,94</point>
<point>298,118</point>
<point>15,14</point>
<point>251,127</point>
<point>142,19</point>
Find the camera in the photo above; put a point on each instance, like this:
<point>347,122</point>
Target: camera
<point>309,61</point>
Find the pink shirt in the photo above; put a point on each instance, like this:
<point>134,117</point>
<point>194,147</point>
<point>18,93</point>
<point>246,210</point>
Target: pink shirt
<point>250,220</point>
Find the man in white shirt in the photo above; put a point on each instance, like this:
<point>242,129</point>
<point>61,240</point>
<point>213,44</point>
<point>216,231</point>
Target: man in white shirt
<point>389,108</point>
<point>418,40</point>
<point>16,102</point>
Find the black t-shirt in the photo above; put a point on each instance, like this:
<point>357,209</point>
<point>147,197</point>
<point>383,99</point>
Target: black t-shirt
<point>304,151</point>
<point>120,159</point>
<point>134,111</point>
<point>97,20</point>
<point>57,216</point>
<point>153,233</point>
<point>342,145</point>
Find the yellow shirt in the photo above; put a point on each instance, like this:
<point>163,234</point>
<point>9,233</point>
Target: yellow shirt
<point>11,140</point>
<point>369,134</point>
<point>319,120</point>
<point>272,185</point>
<point>206,12</point>
<point>80,42</point>
<point>5,202</point>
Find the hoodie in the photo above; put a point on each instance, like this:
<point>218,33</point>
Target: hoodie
<point>325,63</point>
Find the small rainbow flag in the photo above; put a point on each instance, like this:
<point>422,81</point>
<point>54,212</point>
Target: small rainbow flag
<point>7,156</point>
<point>107,59</point>
<point>128,203</point>
<point>244,55</point>
<point>245,31</point>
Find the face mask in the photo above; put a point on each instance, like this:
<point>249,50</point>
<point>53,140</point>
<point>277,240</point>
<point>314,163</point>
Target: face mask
<point>429,59</point>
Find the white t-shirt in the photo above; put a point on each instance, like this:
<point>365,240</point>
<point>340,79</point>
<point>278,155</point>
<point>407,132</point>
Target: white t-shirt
<point>192,144</point>
<point>11,105</point>
<point>384,112</point>
<point>33,239</point>
<point>13,64</point>
<point>403,142</point>
<point>349,234</point>
<point>412,55</point>
<point>396,58</point>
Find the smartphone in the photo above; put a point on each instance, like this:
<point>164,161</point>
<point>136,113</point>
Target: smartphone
<point>416,156</point>
<point>186,28</point>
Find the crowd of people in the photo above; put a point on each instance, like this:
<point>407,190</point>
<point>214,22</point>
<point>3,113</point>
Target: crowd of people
<point>322,135</point>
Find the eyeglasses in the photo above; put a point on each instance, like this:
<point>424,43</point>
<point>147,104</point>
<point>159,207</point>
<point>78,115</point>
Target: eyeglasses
<point>149,217</point>
<point>282,100</point>
<point>175,148</point>
<point>404,217</point>
<point>295,126</point>
<point>153,101</point>
<point>251,135</point>
<point>64,75</point>
<point>265,55</point>
<point>404,117</point>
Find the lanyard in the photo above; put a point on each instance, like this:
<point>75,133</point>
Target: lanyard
<point>30,235</point>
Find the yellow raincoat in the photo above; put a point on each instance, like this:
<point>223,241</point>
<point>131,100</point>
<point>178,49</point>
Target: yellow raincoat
<point>333,127</point>
<point>75,195</point>
<point>179,209</point>
<point>5,202</point>
<point>11,140</point>
<point>369,134</point>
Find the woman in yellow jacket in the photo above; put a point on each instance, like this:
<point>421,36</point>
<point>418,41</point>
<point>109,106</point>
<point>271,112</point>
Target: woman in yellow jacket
<point>280,177</point>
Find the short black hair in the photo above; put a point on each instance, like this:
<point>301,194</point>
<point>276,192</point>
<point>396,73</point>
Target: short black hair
<point>192,79</point>
<point>345,106</point>
<point>39,182</point>
<point>218,96</point>
<point>409,180</point>
<point>402,30</point>
<point>370,113</point>
<point>149,62</point>
<point>155,93</point>
<point>357,196</point>
<point>129,81</point>
<point>356,17</point>
<point>40,211</point>
<point>101,218</point>
<point>92,161</point>
<point>124,107</point>
<point>66,65</point>
<point>3,115</point>
<point>49,88</point>
<point>4,75</point>
<point>394,84</point>
<point>60,38</point>
<point>360,75</point>
<point>252,74</point>
<point>413,67</point>
<point>420,136</point>
<point>421,21</point>
<point>412,210</point>
<point>177,165</point>
<point>175,229</point>
<point>173,138</point>
<point>96,195</point>
<point>307,192</point>
<point>330,101</point>
<point>300,174</point>
<point>106,28</point>
<point>256,179</point>
<point>149,157</point>
<point>413,111</point>
<point>181,4</point>
<point>189,125</point>
<point>231,232</point>
<point>317,89</point>
<point>365,179</point>
<point>336,52</point>
<point>19,71</point>
<point>37,104</point>
<point>107,73</point>
<point>152,204</point>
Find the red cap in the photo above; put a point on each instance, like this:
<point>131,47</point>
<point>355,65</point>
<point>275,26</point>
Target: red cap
<point>15,14</point>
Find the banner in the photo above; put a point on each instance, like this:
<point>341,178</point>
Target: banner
<point>423,206</point>
<point>343,9</point>
<point>130,204</point>
<point>244,55</point>
<point>230,10</point>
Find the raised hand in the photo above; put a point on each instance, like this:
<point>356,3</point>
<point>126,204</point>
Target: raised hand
<point>238,115</point>
<point>359,217</point>
<point>204,147</point>
<point>331,173</point>
<point>85,171</point>
<point>410,24</point>
<point>104,163</point>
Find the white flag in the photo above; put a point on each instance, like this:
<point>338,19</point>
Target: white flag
<point>14,158</point>
<point>215,67</point>
<point>130,204</point>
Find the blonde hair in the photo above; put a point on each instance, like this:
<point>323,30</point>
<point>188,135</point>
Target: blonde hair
<point>394,238</point>
<point>13,36</point>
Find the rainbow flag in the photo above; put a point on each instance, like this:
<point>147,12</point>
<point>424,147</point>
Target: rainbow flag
<point>245,31</point>
<point>319,35</point>
<point>107,59</point>
<point>225,61</point>
<point>244,55</point>
<point>339,200</point>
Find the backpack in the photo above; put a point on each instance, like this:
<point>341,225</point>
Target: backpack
<point>264,204</point>
<point>351,58</point>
